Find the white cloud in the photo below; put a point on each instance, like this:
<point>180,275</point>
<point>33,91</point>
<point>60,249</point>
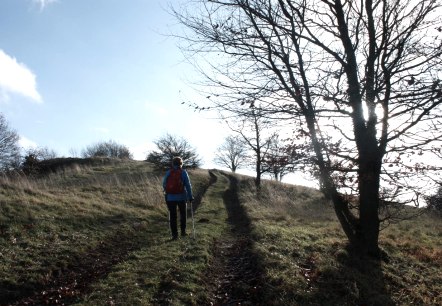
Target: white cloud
<point>27,143</point>
<point>43,3</point>
<point>17,78</point>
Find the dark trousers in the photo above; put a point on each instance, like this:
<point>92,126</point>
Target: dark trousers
<point>172,206</point>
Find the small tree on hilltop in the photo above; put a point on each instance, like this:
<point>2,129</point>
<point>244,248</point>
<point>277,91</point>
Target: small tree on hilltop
<point>170,146</point>
<point>109,149</point>
<point>283,158</point>
<point>232,153</point>
<point>9,148</point>
<point>257,134</point>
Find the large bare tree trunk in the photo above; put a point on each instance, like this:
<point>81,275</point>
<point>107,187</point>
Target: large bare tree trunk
<point>333,67</point>
<point>369,180</point>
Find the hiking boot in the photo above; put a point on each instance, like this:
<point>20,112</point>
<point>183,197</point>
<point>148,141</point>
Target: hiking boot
<point>183,234</point>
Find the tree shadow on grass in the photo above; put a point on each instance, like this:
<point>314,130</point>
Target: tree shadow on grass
<point>355,281</point>
<point>237,216</point>
<point>236,275</point>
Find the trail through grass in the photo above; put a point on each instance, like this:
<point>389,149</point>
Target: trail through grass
<point>98,234</point>
<point>166,272</point>
<point>233,277</point>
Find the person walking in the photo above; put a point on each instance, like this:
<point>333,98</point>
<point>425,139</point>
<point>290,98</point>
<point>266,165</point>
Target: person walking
<point>178,190</point>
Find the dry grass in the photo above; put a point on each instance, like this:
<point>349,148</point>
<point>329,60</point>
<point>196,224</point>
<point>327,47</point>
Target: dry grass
<point>48,223</point>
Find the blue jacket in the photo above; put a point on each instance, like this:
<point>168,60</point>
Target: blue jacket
<point>186,195</point>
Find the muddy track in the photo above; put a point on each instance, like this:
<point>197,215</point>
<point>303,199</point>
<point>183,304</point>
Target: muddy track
<point>234,277</point>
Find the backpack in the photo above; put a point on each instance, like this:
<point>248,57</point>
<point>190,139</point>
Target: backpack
<point>174,183</point>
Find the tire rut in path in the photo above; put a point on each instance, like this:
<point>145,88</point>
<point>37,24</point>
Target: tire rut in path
<point>234,277</point>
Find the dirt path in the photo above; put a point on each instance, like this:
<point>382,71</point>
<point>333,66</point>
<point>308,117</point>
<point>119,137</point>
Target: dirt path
<point>234,277</point>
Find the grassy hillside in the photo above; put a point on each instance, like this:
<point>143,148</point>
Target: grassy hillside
<point>97,234</point>
<point>66,231</point>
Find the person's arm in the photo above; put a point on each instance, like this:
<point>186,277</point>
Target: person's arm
<point>187,185</point>
<point>165,180</point>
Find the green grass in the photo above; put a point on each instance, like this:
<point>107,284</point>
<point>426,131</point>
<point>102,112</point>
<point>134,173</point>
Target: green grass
<point>98,234</point>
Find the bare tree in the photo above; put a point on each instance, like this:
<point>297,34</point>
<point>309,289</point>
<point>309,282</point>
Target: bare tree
<point>9,147</point>
<point>283,158</point>
<point>360,79</point>
<point>232,153</point>
<point>256,134</point>
<point>170,146</point>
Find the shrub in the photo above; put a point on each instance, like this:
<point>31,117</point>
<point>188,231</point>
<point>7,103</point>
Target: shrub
<point>434,202</point>
<point>34,157</point>
<point>109,149</point>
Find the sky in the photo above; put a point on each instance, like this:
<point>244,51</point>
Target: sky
<point>77,72</point>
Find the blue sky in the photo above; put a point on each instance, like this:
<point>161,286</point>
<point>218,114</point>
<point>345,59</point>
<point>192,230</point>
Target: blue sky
<point>76,72</point>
